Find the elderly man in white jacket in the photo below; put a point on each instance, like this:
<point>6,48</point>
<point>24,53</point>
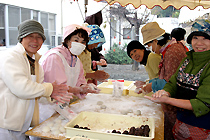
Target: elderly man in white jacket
<point>21,83</point>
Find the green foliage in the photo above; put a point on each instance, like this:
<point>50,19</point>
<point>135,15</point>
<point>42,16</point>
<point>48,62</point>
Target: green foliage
<point>168,12</point>
<point>117,55</point>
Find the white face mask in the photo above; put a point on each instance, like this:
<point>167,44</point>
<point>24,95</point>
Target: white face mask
<point>150,48</point>
<point>77,48</point>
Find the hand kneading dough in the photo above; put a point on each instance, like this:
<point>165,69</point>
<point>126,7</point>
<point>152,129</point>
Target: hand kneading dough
<point>46,129</point>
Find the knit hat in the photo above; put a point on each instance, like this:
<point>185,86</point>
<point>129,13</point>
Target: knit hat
<point>71,28</point>
<point>28,27</point>
<point>199,28</point>
<point>151,31</point>
<point>134,45</point>
<point>96,35</point>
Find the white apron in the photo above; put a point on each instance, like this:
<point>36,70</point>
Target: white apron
<point>20,135</point>
<point>46,109</point>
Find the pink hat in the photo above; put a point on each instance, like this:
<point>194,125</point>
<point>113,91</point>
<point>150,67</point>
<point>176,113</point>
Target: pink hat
<point>71,28</point>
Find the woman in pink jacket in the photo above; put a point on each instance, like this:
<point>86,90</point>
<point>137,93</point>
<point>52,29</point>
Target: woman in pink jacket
<point>61,64</point>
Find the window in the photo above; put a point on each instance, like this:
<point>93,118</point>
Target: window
<point>44,22</point>
<point>2,26</point>
<point>35,15</point>
<point>52,31</point>
<point>25,14</point>
<point>126,33</point>
<point>14,21</point>
<point>13,34</point>
<point>16,15</point>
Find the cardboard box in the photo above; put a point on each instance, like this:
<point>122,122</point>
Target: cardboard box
<point>107,87</point>
<point>102,123</point>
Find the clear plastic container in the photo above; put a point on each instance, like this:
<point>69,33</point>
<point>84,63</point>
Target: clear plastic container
<point>118,88</point>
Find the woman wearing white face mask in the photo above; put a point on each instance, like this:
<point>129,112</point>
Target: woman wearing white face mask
<point>62,65</point>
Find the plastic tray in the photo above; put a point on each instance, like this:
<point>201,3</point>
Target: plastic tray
<point>107,87</point>
<point>101,123</point>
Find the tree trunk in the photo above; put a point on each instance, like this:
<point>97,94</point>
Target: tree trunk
<point>135,65</point>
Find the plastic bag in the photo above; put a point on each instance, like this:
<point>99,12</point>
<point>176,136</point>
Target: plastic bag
<point>64,110</point>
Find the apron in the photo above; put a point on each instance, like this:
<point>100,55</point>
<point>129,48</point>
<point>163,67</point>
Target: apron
<point>6,134</point>
<point>72,73</point>
<point>187,86</point>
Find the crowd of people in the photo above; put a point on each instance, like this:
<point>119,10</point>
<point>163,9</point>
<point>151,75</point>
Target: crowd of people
<point>179,78</point>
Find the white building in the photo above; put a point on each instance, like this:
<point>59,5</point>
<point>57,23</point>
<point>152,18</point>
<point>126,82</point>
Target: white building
<point>52,14</point>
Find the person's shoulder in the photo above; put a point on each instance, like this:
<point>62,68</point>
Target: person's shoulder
<point>154,55</point>
<point>176,47</point>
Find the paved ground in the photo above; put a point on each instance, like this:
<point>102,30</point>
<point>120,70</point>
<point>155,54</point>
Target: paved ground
<point>125,72</point>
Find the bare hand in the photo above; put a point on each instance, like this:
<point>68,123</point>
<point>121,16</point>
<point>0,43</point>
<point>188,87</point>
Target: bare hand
<point>60,93</point>
<point>139,91</point>
<point>90,88</point>
<point>100,75</point>
<point>102,62</point>
<point>75,90</point>
<point>160,96</point>
<point>160,93</point>
<point>147,88</point>
<point>139,84</point>
<point>161,99</point>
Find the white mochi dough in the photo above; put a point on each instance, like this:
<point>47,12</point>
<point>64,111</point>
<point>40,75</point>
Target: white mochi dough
<point>46,129</point>
<point>56,132</point>
<point>138,112</point>
<point>62,129</point>
<point>99,103</point>
<point>124,112</point>
<point>130,111</point>
<point>50,124</point>
<point>54,128</point>
<point>58,120</point>
<point>103,107</point>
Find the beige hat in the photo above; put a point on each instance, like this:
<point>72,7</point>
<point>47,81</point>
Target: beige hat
<point>151,31</point>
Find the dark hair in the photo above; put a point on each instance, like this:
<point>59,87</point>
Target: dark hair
<point>81,33</point>
<point>165,39</point>
<point>178,33</point>
<point>134,45</point>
